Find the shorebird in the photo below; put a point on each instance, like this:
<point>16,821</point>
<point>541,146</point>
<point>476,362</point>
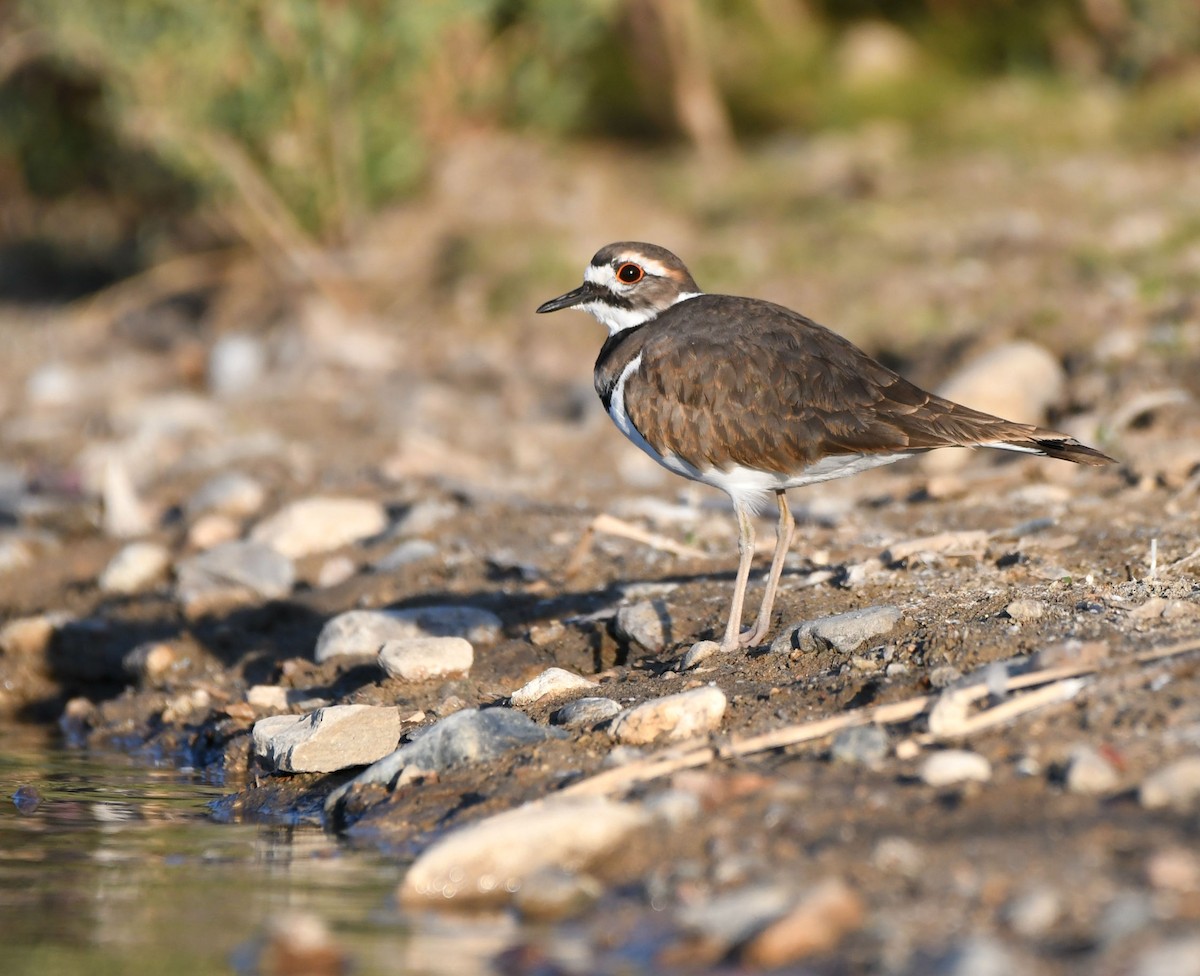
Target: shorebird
<point>753,398</point>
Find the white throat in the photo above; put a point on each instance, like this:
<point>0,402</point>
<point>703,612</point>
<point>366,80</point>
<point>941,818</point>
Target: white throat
<point>617,319</point>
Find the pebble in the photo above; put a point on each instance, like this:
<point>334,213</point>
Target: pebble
<point>426,658</point>
<point>364,632</point>
<point>489,860</point>
<point>152,662</point>
<point>235,572</point>
<point>125,514</point>
<point>295,943</point>
<point>135,567</point>
<point>1179,956</point>
<point>647,624</point>
<point>268,697</point>
<point>231,493</point>
<point>844,631</point>
<point>1174,869</point>
<point>1033,913</point>
<point>335,571</point>
<point>673,717</point>
<point>950,766</point>
<point>1176,786</point>
<point>898,855</point>
<point>408,552</point>
<point>236,363</point>
<point>1026,610</point>
<point>26,799</point>
<point>732,917</point>
<point>329,739</point>
<point>698,653</point>
<point>585,713</point>
<point>978,956</point>
<point>553,893</point>
<point>30,636</point>
<point>863,745</point>
<point>319,524</point>
<point>211,530</point>
<point>467,736</point>
<point>425,516</point>
<point>1089,772</point>
<point>551,683</point>
<point>818,923</point>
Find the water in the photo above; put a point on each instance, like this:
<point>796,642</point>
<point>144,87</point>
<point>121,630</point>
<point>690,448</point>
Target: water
<point>119,868</point>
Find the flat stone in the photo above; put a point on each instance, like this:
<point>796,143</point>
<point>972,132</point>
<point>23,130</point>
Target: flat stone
<point>319,524</point>
<point>585,713</point>
<point>1089,772</point>
<point>949,767</point>
<point>843,631</point>
<point>135,567</point>
<point>408,552</point>
<point>1025,610</point>
<point>364,632</point>
<point>329,739</point>
<point>647,624</point>
<point>551,683</point>
<point>1176,785</point>
<point>230,493</point>
<point>235,571</point>
<point>426,658</point>
<point>673,717</point>
<point>468,736</point>
<point>488,860</point>
<point>863,745</point>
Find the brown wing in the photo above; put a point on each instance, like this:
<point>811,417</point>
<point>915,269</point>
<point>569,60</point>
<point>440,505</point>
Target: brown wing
<point>755,384</point>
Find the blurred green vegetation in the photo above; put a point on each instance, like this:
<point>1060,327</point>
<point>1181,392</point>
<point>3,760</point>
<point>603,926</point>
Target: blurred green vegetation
<point>296,120</point>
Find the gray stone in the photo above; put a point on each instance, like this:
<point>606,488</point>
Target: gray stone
<point>844,631</point>
<point>980,956</point>
<point>135,567</point>
<point>408,552</point>
<point>647,624</point>
<point>732,917</point>
<point>1176,786</point>
<point>1089,772</point>
<point>951,766</point>
<point>488,860</point>
<point>329,739</point>
<point>467,736</point>
<point>863,745</point>
<point>673,717</point>
<point>585,713</point>
<point>364,632</point>
<point>236,571</point>
<point>315,525</point>
<point>426,658</point>
<point>551,683</point>
<point>231,493</point>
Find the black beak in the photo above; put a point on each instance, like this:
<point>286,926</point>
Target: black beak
<point>580,296</point>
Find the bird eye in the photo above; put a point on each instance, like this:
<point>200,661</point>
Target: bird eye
<point>630,273</point>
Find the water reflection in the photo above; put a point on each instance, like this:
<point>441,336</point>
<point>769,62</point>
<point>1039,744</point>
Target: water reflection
<point>109,866</point>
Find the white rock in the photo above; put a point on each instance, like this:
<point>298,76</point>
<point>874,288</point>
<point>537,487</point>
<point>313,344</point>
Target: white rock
<point>235,363</point>
<point>231,493</point>
<point>1176,785</point>
<point>489,860</point>
<point>328,739</point>
<point>426,658</point>
<point>1090,772</point>
<point>211,530</point>
<point>135,567</point>
<point>335,571</point>
<point>950,766</point>
<point>313,525</point>
<point>681,716</point>
<point>125,514</point>
<point>1026,609</point>
<point>364,632</point>
<point>551,683</point>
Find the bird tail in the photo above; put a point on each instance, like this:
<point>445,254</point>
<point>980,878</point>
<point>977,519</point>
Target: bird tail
<point>1050,443</point>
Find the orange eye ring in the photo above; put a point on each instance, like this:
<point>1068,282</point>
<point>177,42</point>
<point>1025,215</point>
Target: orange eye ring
<point>630,273</point>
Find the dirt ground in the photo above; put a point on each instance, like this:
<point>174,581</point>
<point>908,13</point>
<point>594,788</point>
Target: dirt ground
<point>474,422</point>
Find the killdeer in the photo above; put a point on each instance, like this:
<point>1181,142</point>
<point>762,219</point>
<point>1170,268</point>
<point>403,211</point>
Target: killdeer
<point>753,398</point>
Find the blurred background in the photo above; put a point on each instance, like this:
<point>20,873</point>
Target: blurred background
<point>469,156</point>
